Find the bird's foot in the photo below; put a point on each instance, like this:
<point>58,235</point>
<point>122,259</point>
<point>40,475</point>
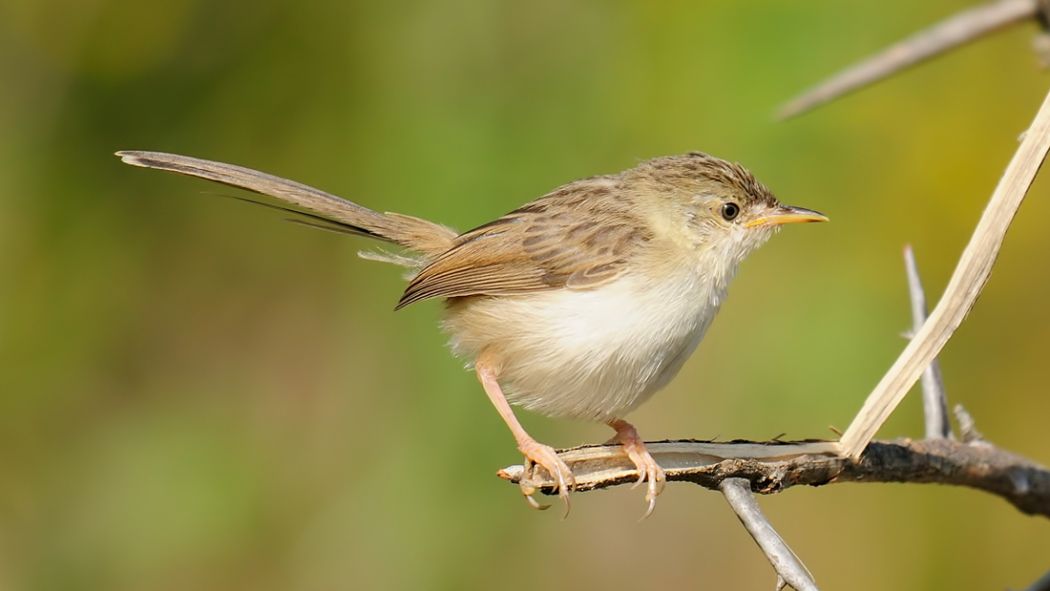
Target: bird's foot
<point>648,470</point>
<point>544,456</point>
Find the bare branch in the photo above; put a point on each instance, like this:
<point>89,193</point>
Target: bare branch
<point>966,283</point>
<point>959,29</point>
<point>934,400</point>
<point>985,467</point>
<point>789,568</point>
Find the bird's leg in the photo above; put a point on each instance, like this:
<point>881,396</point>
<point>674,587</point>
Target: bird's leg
<point>648,469</point>
<point>487,369</point>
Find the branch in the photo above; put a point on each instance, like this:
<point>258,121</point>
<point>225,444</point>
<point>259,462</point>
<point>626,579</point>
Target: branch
<point>959,29</point>
<point>981,466</point>
<point>790,569</point>
<point>969,278</point>
<point>934,401</point>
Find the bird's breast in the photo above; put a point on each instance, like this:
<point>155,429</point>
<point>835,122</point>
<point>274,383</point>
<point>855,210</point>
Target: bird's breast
<point>593,354</point>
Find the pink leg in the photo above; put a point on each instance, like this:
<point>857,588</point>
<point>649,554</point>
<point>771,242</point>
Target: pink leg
<point>535,452</point>
<point>648,469</point>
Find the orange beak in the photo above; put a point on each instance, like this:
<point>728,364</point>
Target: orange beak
<point>787,214</point>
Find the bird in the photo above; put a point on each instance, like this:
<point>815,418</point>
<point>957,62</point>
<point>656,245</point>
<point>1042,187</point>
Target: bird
<point>580,304</point>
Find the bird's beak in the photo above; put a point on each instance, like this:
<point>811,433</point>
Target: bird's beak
<point>787,214</point>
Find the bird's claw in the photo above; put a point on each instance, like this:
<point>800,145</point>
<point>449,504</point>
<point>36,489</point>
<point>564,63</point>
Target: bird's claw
<point>648,471</point>
<point>528,491</point>
<point>544,456</point>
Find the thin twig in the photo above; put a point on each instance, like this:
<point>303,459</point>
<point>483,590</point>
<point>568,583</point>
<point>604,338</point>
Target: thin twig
<point>961,28</point>
<point>786,563</point>
<point>966,283</point>
<point>934,400</point>
<point>985,467</point>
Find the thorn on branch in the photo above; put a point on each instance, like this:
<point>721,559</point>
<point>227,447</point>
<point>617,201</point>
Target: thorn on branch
<point>967,428</point>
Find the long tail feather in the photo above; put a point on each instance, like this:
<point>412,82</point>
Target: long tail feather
<point>411,232</point>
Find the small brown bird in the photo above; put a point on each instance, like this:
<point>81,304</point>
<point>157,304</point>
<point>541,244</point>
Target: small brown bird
<point>580,304</point>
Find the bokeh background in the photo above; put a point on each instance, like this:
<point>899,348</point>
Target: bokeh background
<point>197,395</point>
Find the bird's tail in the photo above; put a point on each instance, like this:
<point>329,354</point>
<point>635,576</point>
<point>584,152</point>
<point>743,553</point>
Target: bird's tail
<point>322,210</point>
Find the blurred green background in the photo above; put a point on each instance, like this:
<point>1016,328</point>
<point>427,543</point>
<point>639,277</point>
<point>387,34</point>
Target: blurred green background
<point>196,395</point>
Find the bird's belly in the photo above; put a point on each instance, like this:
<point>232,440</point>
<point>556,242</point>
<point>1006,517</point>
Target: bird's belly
<point>586,354</point>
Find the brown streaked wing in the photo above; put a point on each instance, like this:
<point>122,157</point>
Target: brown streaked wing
<point>558,241</point>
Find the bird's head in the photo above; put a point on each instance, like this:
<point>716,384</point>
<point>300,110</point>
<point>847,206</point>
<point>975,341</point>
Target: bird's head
<point>716,206</point>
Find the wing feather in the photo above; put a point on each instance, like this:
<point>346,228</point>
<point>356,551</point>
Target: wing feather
<point>578,237</point>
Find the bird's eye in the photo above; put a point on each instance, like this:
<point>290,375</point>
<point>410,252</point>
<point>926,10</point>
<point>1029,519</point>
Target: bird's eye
<point>730,211</point>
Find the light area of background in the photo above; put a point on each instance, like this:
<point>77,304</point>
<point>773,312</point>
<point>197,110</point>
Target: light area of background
<point>196,395</point>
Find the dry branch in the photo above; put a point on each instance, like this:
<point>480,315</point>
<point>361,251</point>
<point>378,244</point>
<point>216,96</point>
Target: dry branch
<point>981,466</point>
<point>789,567</point>
<point>959,29</point>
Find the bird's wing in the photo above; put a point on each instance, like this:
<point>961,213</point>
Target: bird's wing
<point>578,237</point>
